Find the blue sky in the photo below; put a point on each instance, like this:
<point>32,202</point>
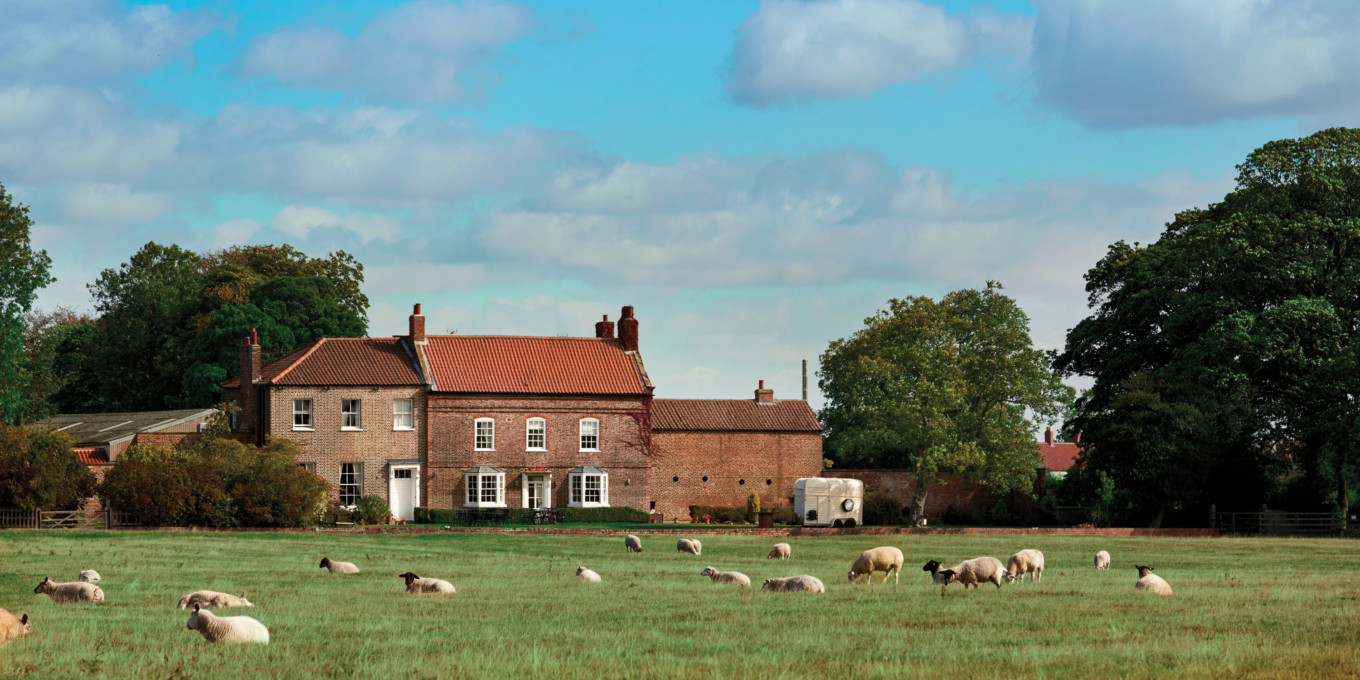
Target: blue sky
<point>755,177</point>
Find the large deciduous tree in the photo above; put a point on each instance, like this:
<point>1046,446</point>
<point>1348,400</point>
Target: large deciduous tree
<point>941,388</point>
<point>22,272</point>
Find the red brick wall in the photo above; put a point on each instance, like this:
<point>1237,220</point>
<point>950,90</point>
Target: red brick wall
<point>728,459</point>
<point>902,485</point>
<point>624,447</point>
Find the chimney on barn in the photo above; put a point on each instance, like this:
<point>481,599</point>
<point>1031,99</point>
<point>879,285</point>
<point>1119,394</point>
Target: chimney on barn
<point>1076,438</point>
<point>764,396</point>
<point>250,372</point>
<point>604,329</point>
<point>1048,436</point>
<point>417,328</point>
<point>628,330</point>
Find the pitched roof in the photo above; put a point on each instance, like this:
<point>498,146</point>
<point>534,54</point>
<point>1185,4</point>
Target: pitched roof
<point>733,415</point>
<point>91,455</point>
<point>534,365</point>
<point>106,428</point>
<point>342,361</point>
<point>1059,456</point>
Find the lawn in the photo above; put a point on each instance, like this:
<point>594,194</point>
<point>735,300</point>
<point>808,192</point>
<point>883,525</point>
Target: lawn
<point>1269,608</point>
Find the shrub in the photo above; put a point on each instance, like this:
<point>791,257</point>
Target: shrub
<point>38,470</point>
<point>336,513</point>
<point>784,515</point>
<point>1000,514</point>
<point>752,506</point>
<point>600,515</point>
<point>373,510</point>
<point>961,516</point>
<point>721,514</point>
<point>433,516</point>
<point>881,508</point>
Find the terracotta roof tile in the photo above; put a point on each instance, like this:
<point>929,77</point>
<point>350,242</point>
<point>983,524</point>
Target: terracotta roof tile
<point>342,361</point>
<point>1059,457</point>
<point>733,415</point>
<point>533,365</point>
<point>273,368</point>
<point>91,455</point>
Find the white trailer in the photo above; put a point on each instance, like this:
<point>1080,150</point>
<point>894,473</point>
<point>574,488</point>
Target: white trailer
<point>829,501</point>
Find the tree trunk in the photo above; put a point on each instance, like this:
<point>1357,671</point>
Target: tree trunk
<point>918,497</point>
<point>1157,518</point>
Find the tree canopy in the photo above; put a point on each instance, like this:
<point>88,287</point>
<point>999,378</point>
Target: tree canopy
<point>23,271</point>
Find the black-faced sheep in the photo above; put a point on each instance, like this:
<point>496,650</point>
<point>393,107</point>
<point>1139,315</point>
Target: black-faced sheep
<point>1151,582</point>
<point>69,592</point>
<point>416,584</point>
<point>689,545</point>
<point>969,572</point>
<point>780,551</point>
<point>794,584</point>
<point>216,628</point>
<point>338,567</point>
<point>1027,561</point>
<point>726,576</point>
<point>13,627</point>
<point>632,543</point>
<point>587,575</point>
<point>211,599</point>
<point>886,559</point>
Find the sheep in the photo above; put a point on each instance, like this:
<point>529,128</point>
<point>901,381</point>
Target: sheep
<point>794,584</point>
<point>211,599</point>
<point>416,584</point>
<point>726,576</point>
<point>886,559</point>
<point>1102,560</point>
<point>689,545</point>
<point>969,572</point>
<point>12,627</point>
<point>587,575</point>
<point>632,543</point>
<point>69,592</point>
<point>1027,561</point>
<point>338,567</point>
<point>1151,582</point>
<point>89,576</point>
<point>780,551</point>
<point>216,628</point>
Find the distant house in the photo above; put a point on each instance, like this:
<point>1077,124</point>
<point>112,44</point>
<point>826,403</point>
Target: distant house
<point>1059,457</point>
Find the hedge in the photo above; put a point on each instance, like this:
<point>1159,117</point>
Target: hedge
<point>721,514</point>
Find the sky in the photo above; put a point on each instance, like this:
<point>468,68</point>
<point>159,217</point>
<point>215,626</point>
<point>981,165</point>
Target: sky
<point>755,177</point>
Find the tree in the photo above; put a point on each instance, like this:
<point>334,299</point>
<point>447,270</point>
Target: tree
<point>941,388</point>
<point>38,470</point>
<point>52,343</point>
<point>23,272</point>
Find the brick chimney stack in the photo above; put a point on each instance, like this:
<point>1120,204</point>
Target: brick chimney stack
<point>417,328</point>
<point>1048,436</point>
<point>628,330</point>
<point>250,372</point>
<point>764,396</point>
<point>604,329</point>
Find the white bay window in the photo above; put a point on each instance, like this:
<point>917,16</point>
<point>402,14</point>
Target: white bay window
<point>589,487</point>
<point>485,487</point>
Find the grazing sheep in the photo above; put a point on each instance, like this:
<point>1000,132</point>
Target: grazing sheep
<point>587,575</point>
<point>211,599</point>
<point>89,576</point>
<point>12,627</point>
<point>794,584</point>
<point>416,584</point>
<point>632,543</point>
<point>1102,560</point>
<point>969,572</point>
<point>1151,582</point>
<point>780,551</point>
<point>886,559</point>
<point>689,545</point>
<point>216,628</point>
<point>69,592</point>
<point>1028,561</point>
<point>726,576</point>
<point>338,567</point>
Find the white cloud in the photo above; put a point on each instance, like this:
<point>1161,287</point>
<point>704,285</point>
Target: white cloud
<point>299,221</point>
<point>113,204</point>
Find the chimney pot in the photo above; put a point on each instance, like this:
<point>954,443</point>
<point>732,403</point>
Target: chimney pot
<point>764,396</point>
<point>416,329</point>
<point>417,308</point>
<point>605,328</point>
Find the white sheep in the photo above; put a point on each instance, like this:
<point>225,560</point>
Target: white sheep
<point>886,559</point>
<point>587,575</point>
<point>794,584</point>
<point>632,543</point>
<point>211,599</point>
<point>780,551</point>
<point>69,592</point>
<point>216,628</point>
<point>1027,561</point>
<point>338,567</point>
<point>416,584</point>
<point>969,572</point>
<point>1102,560</point>
<point>726,576</point>
<point>1151,582</point>
<point>89,576</point>
<point>689,545</point>
<point>13,627</point>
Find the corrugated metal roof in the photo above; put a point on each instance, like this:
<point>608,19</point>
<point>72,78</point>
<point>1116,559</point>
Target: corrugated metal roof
<point>733,415</point>
<point>105,428</point>
<point>533,365</point>
<point>342,361</point>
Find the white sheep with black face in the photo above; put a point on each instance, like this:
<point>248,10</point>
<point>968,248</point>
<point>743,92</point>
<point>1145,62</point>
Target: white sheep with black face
<point>585,575</point>
<point>416,584</point>
<point>338,567</point>
<point>969,572</point>
<point>218,629</point>
<point>1151,582</point>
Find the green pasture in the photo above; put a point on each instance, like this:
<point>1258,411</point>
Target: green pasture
<point>1243,608</point>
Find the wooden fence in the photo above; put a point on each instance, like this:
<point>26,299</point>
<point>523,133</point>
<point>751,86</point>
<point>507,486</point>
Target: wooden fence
<point>66,519</point>
<point>1276,522</point>
<point>19,519</point>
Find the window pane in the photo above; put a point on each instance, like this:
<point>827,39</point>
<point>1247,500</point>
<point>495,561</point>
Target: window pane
<point>592,488</point>
<point>351,483</point>
<point>402,414</point>
<point>537,433</point>
<point>472,488</point>
<point>576,488</point>
<point>350,413</point>
<point>489,488</point>
<point>590,435</point>
<point>485,435</point>
<point>302,413</point>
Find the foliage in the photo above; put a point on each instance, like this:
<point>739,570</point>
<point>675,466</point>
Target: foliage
<point>605,515</point>
<point>39,471</point>
<point>961,516</point>
<point>752,506</point>
<point>373,510</point>
<point>721,514</point>
<point>881,508</point>
<point>50,358</point>
<point>941,388</point>
<point>1000,514</point>
<point>22,272</point>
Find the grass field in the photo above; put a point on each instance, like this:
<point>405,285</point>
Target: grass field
<point>1268,608</point>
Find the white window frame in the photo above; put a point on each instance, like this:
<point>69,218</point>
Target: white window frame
<point>356,473</point>
<point>542,434</point>
<point>358,414</point>
<point>491,436</point>
<point>410,414</point>
<point>524,489</point>
<point>581,434</point>
<point>579,487</point>
<point>479,484</point>
<point>311,424</point>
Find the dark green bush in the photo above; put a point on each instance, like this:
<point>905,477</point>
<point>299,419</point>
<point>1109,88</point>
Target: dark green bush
<point>434,516</point>
<point>602,515</point>
<point>783,515</point>
<point>961,516</point>
<point>882,509</point>
<point>1000,514</point>
<point>373,510</point>
<point>721,514</point>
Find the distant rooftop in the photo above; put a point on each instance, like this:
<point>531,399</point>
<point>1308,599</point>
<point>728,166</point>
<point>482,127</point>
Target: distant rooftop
<point>108,428</point>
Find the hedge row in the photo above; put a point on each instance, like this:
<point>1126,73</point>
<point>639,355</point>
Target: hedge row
<point>522,516</point>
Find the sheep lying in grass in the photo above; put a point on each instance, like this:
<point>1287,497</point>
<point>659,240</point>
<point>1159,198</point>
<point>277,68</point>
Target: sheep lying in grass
<point>969,572</point>
<point>211,599</point>
<point>794,584</point>
<point>780,551</point>
<point>12,627</point>
<point>587,575</point>
<point>886,559</point>
<point>632,543</point>
<point>1151,582</point>
<point>416,584</point>
<point>1102,560</point>
<point>216,628</point>
<point>726,576</point>
<point>1027,561</point>
<point>338,567</point>
<point>689,545</point>
<point>89,576</point>
<point>69,592</point>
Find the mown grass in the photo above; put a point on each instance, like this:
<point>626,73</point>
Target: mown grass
<point>1279,608</point>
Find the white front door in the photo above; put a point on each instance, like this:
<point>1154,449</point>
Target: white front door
<point>534,491</point>
<point>404,492</point>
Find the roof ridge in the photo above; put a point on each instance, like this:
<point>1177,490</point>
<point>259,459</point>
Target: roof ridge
<point>521,337</point>
<point>295,363</point>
